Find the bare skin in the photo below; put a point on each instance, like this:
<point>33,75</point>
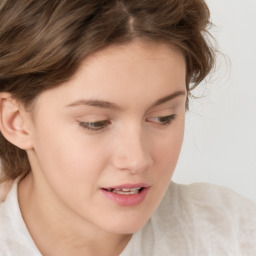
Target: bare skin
<point>79,148</point>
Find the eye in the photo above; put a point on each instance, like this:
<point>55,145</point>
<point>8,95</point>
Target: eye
<point>163,120</point>
<point>95,126</point>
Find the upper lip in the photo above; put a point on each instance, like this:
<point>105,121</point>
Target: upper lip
<point>129,186</point>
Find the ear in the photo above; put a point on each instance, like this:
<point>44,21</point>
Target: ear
<point>15,122</point>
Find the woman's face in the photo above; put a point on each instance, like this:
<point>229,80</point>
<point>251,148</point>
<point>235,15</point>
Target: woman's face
<point>105,144</point>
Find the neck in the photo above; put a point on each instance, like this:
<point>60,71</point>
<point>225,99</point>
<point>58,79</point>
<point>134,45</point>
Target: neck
<point>57,231</point>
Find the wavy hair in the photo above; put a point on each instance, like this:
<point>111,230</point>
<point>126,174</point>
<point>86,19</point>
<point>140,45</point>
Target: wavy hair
<point>42,44</point>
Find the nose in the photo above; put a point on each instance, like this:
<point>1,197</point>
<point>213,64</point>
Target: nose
<point>132,152</point>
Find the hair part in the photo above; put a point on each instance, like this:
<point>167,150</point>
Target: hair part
<point>42,44</point>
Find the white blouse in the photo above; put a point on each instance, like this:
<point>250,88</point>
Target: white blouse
<point>198,219</point>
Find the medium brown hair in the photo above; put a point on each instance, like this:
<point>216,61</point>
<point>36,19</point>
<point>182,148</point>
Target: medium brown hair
<point>42,44</point>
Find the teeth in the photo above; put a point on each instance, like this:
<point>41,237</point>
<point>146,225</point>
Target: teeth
<point>125,191</point>
<point>130,189</point>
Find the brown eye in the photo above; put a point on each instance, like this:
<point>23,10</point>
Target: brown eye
<point>163,120</point>
<point>95,126</point>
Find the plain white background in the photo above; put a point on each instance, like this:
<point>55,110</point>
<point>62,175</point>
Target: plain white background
<point>220,140</point>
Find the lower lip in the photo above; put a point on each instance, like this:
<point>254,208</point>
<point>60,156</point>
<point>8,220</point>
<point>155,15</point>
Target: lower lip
<point>126,200</point>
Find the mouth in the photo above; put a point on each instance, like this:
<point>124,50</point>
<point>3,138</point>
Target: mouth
<point>125,191</point>
<point>127,195</point>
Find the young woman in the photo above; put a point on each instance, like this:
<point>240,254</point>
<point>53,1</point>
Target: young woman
<point>93,97</point>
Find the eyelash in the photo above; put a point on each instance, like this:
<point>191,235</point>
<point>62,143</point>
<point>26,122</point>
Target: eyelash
<point>165,120</point>
<point>102,124</point>
<point>95,126</point>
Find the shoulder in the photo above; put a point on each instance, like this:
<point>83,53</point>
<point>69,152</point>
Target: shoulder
<point>7,216</point>
<point>201,218</point>
<point>204,204</point>
<point>14,236</point>
<point>4,189</point>
<point>209,194</point>
<point>205,198</point>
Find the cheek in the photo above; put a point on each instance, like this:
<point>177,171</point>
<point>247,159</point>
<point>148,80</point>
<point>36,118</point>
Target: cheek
<point>70,165</point>
<point>66,154</point>
<point>167,149</point>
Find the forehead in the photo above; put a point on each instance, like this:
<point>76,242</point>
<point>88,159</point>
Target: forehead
<point>126,55</point>
<point>120,73</point>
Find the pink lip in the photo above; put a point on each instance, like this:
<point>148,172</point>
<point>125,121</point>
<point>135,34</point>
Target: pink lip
<point>127,200</point>
<point>138,185</point>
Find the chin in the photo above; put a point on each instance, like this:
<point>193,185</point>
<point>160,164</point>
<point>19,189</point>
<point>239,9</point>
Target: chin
<point>128,225</point>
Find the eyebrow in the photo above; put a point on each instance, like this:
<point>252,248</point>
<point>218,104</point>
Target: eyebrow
<point>109,105</point>
<point>95,103</point>
<point>169,98</point>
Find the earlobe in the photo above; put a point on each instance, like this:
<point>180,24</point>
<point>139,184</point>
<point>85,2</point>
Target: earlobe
<point>14,122</point>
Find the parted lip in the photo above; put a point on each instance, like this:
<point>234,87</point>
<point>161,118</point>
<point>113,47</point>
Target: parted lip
<point>128,186</point>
